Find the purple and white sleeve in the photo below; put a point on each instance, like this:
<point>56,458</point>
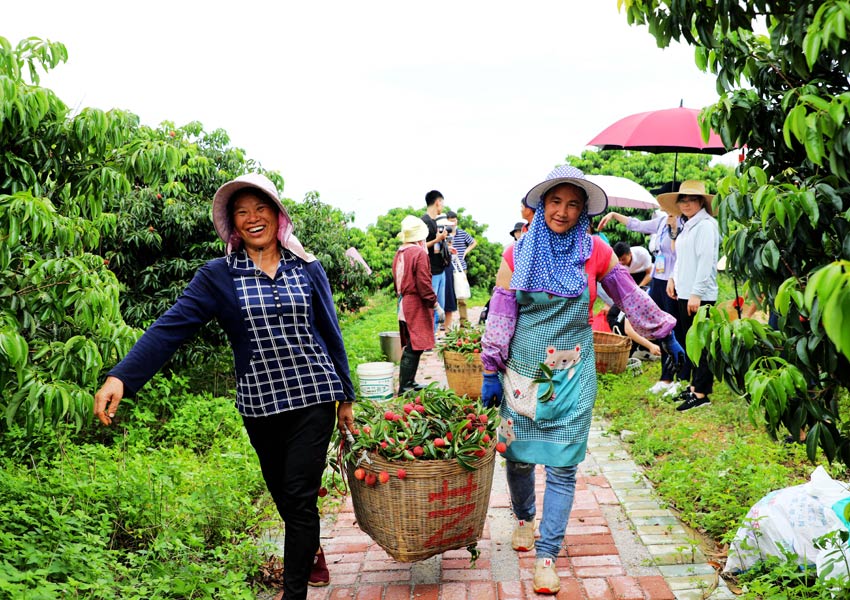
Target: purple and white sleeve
<point>643,313</point>
<point>501,322</point>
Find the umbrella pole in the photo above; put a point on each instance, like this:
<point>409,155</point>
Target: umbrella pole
<point>675,166</point>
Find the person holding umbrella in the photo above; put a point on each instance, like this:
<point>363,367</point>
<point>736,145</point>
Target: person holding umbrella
<point>539,315</point>
<point>666,228</point>
<point>693,281</point>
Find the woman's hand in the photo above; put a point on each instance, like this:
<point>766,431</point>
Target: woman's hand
<point>345,417</point>
<point>694,303</point>
<point>607,219</point>
<point>107,399</point>
<point>671,289</point>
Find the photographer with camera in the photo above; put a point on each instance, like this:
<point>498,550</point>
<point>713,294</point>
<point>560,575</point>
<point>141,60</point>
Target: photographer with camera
<point>446,252</point>
<point>434,244</point>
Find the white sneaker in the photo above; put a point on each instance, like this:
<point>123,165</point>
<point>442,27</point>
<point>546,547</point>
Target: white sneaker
<point>660,387</point>
<point>674,389</point>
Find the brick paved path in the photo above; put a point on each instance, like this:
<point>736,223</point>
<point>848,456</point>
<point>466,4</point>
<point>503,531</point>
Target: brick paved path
<point>621,543</point>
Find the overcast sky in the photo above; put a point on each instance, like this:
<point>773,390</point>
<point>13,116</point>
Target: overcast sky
<point>373,103</point>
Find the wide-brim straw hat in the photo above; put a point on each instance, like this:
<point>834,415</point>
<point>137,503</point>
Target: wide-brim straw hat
<point>221,220</point>
<point>597,199</point>
<point>691,187</point>
<point>413,229</point>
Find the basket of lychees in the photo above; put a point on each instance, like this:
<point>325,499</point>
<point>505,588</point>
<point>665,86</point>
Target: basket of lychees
<point>420,468</point>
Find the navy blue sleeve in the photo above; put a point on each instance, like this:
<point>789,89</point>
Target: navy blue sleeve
<point>195,307</point>
<point>326,326</point>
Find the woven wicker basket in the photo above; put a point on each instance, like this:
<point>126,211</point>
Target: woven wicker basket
<point>438,506</point>
<point>612,352</point>
<point>463,374</point>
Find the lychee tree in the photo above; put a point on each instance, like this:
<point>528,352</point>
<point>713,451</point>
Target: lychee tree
<point>785,216</point>
<point>59,310</point>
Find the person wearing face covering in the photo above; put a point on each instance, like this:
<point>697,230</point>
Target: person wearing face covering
<point>272,299</point>
<point>540,316</point>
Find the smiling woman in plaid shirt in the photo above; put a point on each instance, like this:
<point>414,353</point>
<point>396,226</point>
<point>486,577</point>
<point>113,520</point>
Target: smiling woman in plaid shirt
<point>273,301</point>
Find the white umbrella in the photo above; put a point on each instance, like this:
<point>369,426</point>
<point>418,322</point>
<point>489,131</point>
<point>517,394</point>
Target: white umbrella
<point>624,192</point>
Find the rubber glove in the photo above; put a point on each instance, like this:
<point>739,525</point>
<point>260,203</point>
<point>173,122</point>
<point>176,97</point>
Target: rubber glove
<point>675,353</point>
<point>491,390</point>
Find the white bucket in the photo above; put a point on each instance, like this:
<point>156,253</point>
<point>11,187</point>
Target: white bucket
<point>376,380</point>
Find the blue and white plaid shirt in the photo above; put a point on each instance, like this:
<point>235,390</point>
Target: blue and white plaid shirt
<point>289,369</point>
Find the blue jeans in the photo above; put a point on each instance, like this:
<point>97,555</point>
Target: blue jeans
<point>557,502</point>
<point>438,282</point>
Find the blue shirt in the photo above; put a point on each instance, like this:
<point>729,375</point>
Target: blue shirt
<point>288,369</point>
<point>213,294</point>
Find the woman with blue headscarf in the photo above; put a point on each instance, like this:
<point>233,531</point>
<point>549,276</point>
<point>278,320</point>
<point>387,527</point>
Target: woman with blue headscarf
<point>540,317</point>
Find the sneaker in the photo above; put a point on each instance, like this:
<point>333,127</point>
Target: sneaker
<point>660,387</point>
<point>319,574</point>
<point>692,401</point>
<point>522,539</point>
<point>546,580</point>
<point>675,389</point>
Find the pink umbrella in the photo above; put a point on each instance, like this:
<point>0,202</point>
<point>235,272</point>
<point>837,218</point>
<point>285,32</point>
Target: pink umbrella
<point>658,131</point>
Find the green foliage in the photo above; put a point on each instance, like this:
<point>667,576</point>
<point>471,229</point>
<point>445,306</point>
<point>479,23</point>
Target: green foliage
<point>324,231</point>
<point>782,577</point>
<point>131,522</point>
<point>785,216</point>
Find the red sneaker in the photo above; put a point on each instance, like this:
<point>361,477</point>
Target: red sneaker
<point>319,575</point>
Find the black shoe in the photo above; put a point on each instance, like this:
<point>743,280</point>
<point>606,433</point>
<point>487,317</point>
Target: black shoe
<point>692,401</point>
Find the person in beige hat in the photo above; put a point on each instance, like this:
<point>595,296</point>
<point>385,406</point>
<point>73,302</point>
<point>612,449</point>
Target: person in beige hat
<point>273,300</point>
<point>693,282</point>
<point>412,278</point>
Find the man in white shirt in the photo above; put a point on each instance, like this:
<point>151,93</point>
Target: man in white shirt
<point>637,260</point>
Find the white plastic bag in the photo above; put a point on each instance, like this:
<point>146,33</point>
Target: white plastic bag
<point>788,519</point>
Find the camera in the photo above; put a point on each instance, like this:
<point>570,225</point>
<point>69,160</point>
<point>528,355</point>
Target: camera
<point>446,228</point>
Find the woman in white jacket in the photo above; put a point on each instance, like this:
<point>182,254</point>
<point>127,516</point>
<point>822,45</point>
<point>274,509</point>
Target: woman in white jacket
<point>693,283</point>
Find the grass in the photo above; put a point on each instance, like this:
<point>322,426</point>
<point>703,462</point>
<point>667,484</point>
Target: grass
<point>712,463</point>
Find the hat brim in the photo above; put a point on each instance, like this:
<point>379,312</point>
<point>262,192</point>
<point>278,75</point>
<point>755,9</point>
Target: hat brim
<point>667,201</point>
<point>221,222</point>
<point>597,199</point>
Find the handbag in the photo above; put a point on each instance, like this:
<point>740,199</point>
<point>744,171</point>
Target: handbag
<point>462,291</point>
